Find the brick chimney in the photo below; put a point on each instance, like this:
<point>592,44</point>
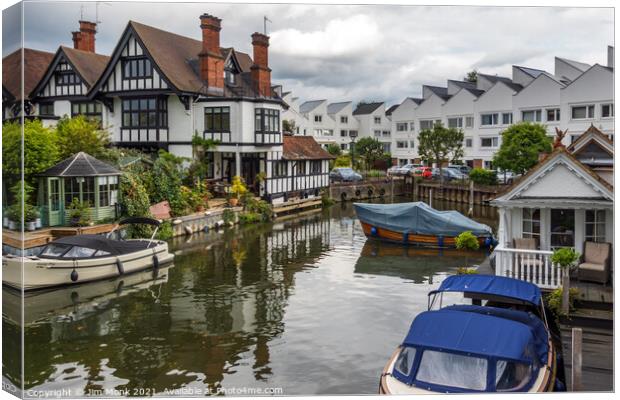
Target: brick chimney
<point>211,60</point>
<point>261,74</point>
<point>84,39</point>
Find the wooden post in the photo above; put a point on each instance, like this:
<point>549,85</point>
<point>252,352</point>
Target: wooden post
<point>392,189</point>
<point>565,293</point>
<point>470,211</point>
<point>430,197</point>
<point>576,358</point>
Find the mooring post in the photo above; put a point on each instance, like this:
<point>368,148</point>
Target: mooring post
<point>430,197</point>
<point>392,189</point>
<point>470,211</point>
<point>565,293</point>
<point>576,359</point>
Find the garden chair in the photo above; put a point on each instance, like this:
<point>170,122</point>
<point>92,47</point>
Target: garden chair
<point>595,262</point>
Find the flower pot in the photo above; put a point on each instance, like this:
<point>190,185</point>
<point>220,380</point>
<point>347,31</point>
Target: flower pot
<point>38,223</point>
<point>233,201</point>
<point>31,225</point>
<point>5,222</point>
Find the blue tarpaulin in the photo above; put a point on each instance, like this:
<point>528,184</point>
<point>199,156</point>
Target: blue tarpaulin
<point>476,334</point>
<point>493,285</point>
<point>419,218</point>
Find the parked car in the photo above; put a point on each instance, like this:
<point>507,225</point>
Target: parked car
<point>506,177</point>
<point>424,172</point>
<point>449,174</point>
<point>464,169</point>
<point>344,174</point>
<point>393,171</point>
<point>407,169</point>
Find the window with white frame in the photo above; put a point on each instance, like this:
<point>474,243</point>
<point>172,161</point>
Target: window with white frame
<point>582,112</point>
<point>607,110</point>
<point>377,120</point>
<point>343,133</point>
<point>595,226</point>
<point>531,115</point>
<point>553,115</point>
<point>411,126</point>
<point>469,122</point>
<point>318,118</point>
<point>402,144</point>
<point>344,146</point>
<point>426,124</point>
<point>411,143</point>
<point>386,133</point>
<point>344,119</point>
<point>489,141</point>
<point>377,133</point>
<point>489,119</point>
<point>401,126</point>
<point>387,147</point>
<point>531,223</point>
<point>506,118</point>
<point>455,122</point>
<point>469,142</point>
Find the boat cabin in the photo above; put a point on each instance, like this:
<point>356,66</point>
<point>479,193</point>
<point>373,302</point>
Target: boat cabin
<point>566,200</point>
<point>92,182</point>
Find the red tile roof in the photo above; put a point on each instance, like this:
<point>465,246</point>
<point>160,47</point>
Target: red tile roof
<point>303,148</point>
<point>35,65</point>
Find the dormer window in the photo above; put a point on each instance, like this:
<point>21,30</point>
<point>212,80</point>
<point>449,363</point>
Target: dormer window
<point>230,77</point>
<point>137,67</point>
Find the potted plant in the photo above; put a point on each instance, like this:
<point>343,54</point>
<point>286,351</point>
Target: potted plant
<point>79,214</point>
<point>566,258</point>
<point>469,242</point>
<point>237,189</point>
<point>30,216</point>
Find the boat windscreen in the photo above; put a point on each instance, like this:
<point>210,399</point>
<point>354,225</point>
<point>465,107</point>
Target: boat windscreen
<point>453,370</point>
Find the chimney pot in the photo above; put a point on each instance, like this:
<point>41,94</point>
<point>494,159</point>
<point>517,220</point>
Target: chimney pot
<point>84,39</point>
<point>261,74</point>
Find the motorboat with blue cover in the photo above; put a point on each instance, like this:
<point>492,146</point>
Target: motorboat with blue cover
<point>419,224</point>
<point>84,258</point>
<point>502,346</point>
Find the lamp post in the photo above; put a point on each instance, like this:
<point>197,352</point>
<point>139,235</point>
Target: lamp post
<point>353,135</point>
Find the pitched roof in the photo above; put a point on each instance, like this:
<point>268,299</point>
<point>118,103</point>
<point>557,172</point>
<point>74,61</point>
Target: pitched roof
<point>35,65</point>
<point>334,108</point>
<point>533,72</point>
<point>439,91</point>
<point>495,78</point>
<point>575,64</point>
<point>463,84</point>
<point>89,65</point>
<point>177,57</point>
<point>81,164</point>
<point>310,105</point>
<point>416,100</point>
<point>297,147</point>
<point>390,110</point>
<point>366,108</point>
<point>474,91</point>
<point>592,133</point>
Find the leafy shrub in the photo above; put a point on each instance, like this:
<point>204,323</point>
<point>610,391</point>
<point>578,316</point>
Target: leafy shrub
<point>565,257</point>
<point>228,216</point>
<point>257,206</point>
<point>165,231</point>
<point>375,173</point>
<point>249,218</point>
<point>554,301</point>
<point>483,176</point>
<point>79,212</point>
<point>134,201</point>
<point>466,271</point>
<point>467,241</point>
<point>342,161</point>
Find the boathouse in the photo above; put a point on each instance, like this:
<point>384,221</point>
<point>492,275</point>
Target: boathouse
<point>566,200</point>
<point>81,177</point>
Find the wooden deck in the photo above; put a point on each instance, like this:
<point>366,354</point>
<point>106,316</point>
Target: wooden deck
<point>42,236</point>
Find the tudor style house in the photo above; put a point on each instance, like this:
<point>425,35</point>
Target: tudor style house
<point>566,200</point>
<point>158,90</point>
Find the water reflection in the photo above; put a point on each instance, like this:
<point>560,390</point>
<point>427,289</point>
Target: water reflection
<point>306,305</point>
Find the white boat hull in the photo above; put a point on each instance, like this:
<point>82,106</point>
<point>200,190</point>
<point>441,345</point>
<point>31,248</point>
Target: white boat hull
<point>31,273</point>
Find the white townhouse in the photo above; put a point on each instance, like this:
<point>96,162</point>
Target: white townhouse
<point>404,130</point>
<point>292,113</point>
<point>346,126</point>
<point>373,122</point>
<point>321,124</point>
<point>157,90</point>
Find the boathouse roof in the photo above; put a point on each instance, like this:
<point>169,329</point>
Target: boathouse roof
<point>303,148</point>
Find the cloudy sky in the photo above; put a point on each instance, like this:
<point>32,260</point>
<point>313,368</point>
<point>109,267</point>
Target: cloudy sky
<point>347,52</point>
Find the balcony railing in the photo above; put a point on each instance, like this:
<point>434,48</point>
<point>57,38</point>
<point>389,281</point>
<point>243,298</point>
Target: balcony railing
<point>532,266</point>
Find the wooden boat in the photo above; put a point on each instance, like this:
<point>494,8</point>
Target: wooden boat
<point>84,258</point>
<point>419,224</point>
<point>502,346</point>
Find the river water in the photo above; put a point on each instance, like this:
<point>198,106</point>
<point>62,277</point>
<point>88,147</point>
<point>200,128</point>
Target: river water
<point>304,306</point>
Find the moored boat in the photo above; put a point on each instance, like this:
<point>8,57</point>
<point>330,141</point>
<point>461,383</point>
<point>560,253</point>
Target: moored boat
<point>84,258</point>
<point>502,346</point>
<point>419,224</point>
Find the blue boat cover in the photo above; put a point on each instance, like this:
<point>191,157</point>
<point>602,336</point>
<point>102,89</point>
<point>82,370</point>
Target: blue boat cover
<point>419,218</point>
<point>474,333</point>
<point>492,284</point>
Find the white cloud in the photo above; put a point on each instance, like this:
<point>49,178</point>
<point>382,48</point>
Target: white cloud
<point>340,38</point>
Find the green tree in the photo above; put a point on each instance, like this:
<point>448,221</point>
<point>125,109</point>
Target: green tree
<point>521,145</point>
<point>441,144</point>
<point>472,76</point>
<point>199,168</point>
<point>334,149</point>
<point>81,134</point>
<point>40,151</point>
<point>288,125</point>
<point>135,202</point>
<point>167,179</point>
<point>370,150</point>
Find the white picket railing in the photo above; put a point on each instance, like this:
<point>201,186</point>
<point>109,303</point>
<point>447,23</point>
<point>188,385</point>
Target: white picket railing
<point>533,266</point>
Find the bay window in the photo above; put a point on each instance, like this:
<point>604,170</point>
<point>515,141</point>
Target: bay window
<point>267,120</point>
